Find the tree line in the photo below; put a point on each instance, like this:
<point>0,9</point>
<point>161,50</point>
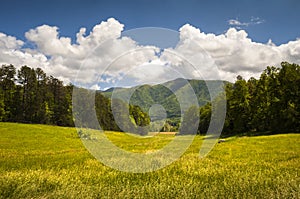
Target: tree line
<point>270,103</point>
<point>30,96</point>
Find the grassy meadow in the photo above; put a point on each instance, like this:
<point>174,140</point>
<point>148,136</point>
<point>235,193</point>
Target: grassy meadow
<point>39,161</point>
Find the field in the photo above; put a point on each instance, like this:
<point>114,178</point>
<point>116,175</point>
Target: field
<point>39,161</point>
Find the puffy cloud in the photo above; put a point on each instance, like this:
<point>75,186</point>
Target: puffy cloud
<point>232,53</point>
<point>152,72</point>
<point>9,42</point>
<point>47,41</point>
<point>290,51</point>
<point>109,29</point>
<point>104,52</point>
<point>91,54</point>
<point>11,53</point>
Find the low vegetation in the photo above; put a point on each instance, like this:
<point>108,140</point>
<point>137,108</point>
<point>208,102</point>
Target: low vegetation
<point>40,161</point>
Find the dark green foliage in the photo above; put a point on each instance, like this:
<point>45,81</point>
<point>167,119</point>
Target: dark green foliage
<point>2,106</point>
<point>60,102</point>
<point>205,115</point>
<point>30,96</point>
<point>104,113</point>
<point>140,118</point>
<point>238,103</point>
<point>129,118</point>
<point>7,89</point>
<point>190,121</point>
<point>166,94</point>
<point>271,103</point>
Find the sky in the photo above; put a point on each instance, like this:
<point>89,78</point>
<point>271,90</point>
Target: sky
<point>228,37</point>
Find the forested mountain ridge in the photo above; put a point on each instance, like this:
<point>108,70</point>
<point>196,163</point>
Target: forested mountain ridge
<point>166,94</point>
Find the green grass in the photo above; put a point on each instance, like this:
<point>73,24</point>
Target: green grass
<point>39,161</point>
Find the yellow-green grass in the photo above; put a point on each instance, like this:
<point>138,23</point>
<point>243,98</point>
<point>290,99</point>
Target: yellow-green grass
<point>39,161</point>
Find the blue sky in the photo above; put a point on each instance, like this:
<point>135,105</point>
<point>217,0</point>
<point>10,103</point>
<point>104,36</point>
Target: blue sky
<point>280,17</point>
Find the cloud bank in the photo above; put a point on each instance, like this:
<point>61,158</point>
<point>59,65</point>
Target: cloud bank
<point>233,53</point>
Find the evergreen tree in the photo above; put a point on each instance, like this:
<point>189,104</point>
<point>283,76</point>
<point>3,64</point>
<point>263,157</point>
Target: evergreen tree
<point>27,78</point>
<point>7,87</point>
<point>190,121</point>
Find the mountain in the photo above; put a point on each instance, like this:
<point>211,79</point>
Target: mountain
<point>168,93</point>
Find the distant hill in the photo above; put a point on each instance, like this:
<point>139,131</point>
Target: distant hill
<point>146,95</point>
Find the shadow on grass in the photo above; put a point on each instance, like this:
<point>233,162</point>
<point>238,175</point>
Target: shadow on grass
<point>253,133</point>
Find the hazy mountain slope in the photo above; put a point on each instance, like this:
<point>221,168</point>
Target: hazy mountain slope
<point>167,94</point>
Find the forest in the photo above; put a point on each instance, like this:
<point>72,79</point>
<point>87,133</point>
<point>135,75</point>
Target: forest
<point>270,103</point>
<point>30,96</point>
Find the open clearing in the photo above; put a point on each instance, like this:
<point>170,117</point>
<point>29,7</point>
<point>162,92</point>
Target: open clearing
<point>39,161</point>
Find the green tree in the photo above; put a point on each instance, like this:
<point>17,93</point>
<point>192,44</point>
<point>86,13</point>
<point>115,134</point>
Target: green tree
<point>190,121</point>
<point>104,113</point>
<point>140,118</point>
<point>60,102</point>
<point>7,85</point>
<point>27,78</point>
<point>122,116</point>
<point>41,108</point>
<point>238,103</point>
<point>2,106</point>
<point>288,94</point>
<point>205,117</point>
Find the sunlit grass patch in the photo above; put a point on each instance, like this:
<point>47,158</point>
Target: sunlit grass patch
<point>39,161</point>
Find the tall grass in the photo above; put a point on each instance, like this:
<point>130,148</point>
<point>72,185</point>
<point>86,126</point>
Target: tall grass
<point>39,161</point>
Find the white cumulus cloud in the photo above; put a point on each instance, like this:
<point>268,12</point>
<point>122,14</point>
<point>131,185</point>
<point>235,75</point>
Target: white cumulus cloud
<point>232,53</point>
<point>103,51</point>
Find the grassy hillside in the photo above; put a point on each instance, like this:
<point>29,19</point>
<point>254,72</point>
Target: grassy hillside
<point>39,161</point>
